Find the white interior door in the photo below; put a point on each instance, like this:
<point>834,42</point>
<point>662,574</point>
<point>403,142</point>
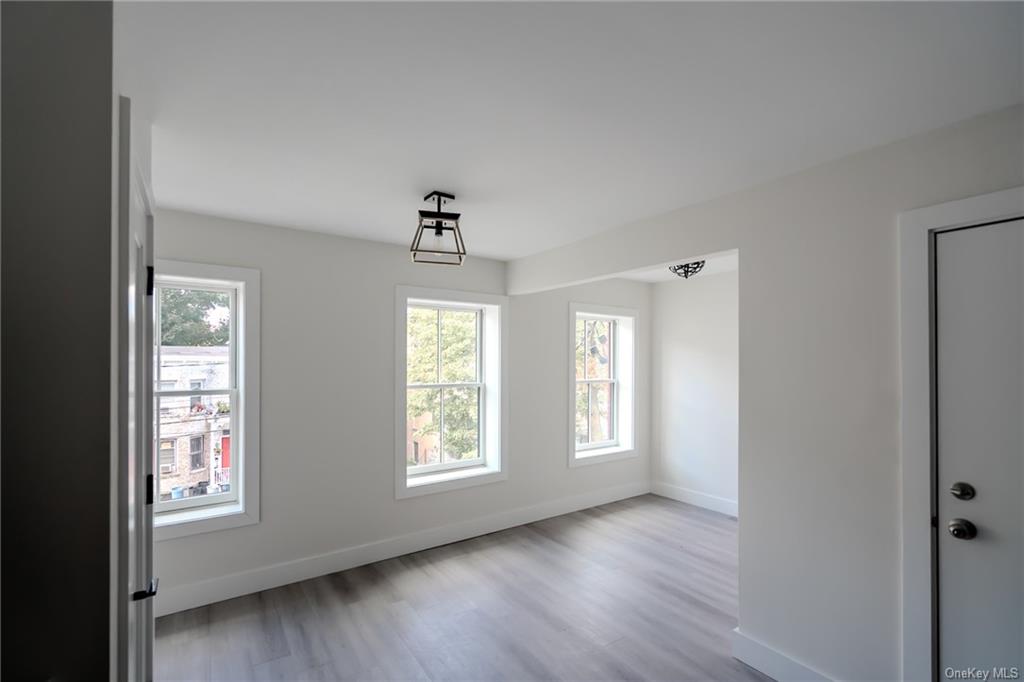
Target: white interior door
<point>979,365</point>
<point>136,586</point>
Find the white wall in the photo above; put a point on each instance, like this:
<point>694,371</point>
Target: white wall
<point>327,451</point>
<point>695,390</point>
<point>819,448</point>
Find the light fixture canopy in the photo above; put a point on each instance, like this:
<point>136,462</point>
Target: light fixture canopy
<point>687,270</point>
<point>445,245</point>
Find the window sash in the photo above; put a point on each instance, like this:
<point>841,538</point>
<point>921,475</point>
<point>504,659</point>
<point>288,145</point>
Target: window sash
<point>454,384</point>
<point>438,307</point>
<point>210,499</point>
<point>612,415</point>
<point>478,384</point>
<point>177,393</point>
<point>171,282</point>
<point>480,459</point>
<point>444,466</point>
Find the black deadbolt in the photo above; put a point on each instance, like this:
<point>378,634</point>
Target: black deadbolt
<point>962,529</point>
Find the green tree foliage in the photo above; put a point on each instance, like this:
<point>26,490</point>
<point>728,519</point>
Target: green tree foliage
<point>458,346</point>
<point>582,415</point>
<point>185,317</point>
<point>421,346</point>
<point>461,418</point>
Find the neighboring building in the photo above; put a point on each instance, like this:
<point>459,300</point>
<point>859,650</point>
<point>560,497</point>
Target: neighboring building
<point>194,431</point>
<point>423,448</point>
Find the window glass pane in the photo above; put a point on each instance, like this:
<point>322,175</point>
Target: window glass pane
<point>599,349</point>
<point>581,346</point>
<point>197,436</point>
<point>458,345</point>
<point>600,412</point>
<point>422,426</point>
<point>421,346</point>
<point>582,410</point>
<point>461,438</point>
<point>195,326</point>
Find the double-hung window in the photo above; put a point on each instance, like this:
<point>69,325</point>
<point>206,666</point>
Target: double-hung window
<point>595,382</point>
<point>168,457</point>
<point>206,390</point>
<point>602,375</point>
<point>444,385</point>
<point>449,392</point>
<point>198,457</point>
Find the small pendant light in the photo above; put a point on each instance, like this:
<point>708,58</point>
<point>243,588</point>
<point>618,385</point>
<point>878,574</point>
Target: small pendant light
<point>687,270</point>
<point>438,239</point>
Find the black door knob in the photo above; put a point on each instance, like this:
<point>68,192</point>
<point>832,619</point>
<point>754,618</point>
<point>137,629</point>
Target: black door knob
<point>962,529</point>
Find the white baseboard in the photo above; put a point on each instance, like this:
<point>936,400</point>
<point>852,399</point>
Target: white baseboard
<point>712,502</point>
<point>771,662</point>
<point>174,598</point>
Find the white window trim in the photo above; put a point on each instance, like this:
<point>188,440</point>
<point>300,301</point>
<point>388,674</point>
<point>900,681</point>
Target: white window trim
<point>624,347</point>
<point>494,424</point>
<point>245,510</point>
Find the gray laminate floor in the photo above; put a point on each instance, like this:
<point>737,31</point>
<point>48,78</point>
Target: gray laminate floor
<point>639,589</point>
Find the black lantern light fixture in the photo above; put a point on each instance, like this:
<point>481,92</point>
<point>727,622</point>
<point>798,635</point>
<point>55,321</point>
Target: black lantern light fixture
<point>687,270</point>
<point>438,239</point>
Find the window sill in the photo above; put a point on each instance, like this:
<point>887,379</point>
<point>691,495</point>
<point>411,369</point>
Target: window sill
<point>599,455</point>
<point>185,522</point>
<point>441,481</point>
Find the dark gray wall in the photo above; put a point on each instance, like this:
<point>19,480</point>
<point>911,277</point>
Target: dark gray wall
<point>55,291</point>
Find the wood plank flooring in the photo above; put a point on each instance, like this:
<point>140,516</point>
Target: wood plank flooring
<point>642,589</point>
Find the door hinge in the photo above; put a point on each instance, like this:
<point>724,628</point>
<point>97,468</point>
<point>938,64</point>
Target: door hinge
<point>149,488</point>
<point>149,280</point>
<point>154,585</point>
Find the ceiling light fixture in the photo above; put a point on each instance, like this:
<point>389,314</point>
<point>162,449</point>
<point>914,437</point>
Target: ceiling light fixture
<point>444,246</point>
<point>687,270</point>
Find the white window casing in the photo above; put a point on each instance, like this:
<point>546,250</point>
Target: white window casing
<point>491,465</point>
<point>240,505</point>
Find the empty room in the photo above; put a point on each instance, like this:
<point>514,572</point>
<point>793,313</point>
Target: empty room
<point>512,340</point>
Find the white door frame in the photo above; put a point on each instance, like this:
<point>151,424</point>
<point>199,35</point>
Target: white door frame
<point>130,192</point>
<point>917,229</point>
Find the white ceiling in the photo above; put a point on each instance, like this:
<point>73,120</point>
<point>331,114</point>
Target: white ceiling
<point>550,122</point>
